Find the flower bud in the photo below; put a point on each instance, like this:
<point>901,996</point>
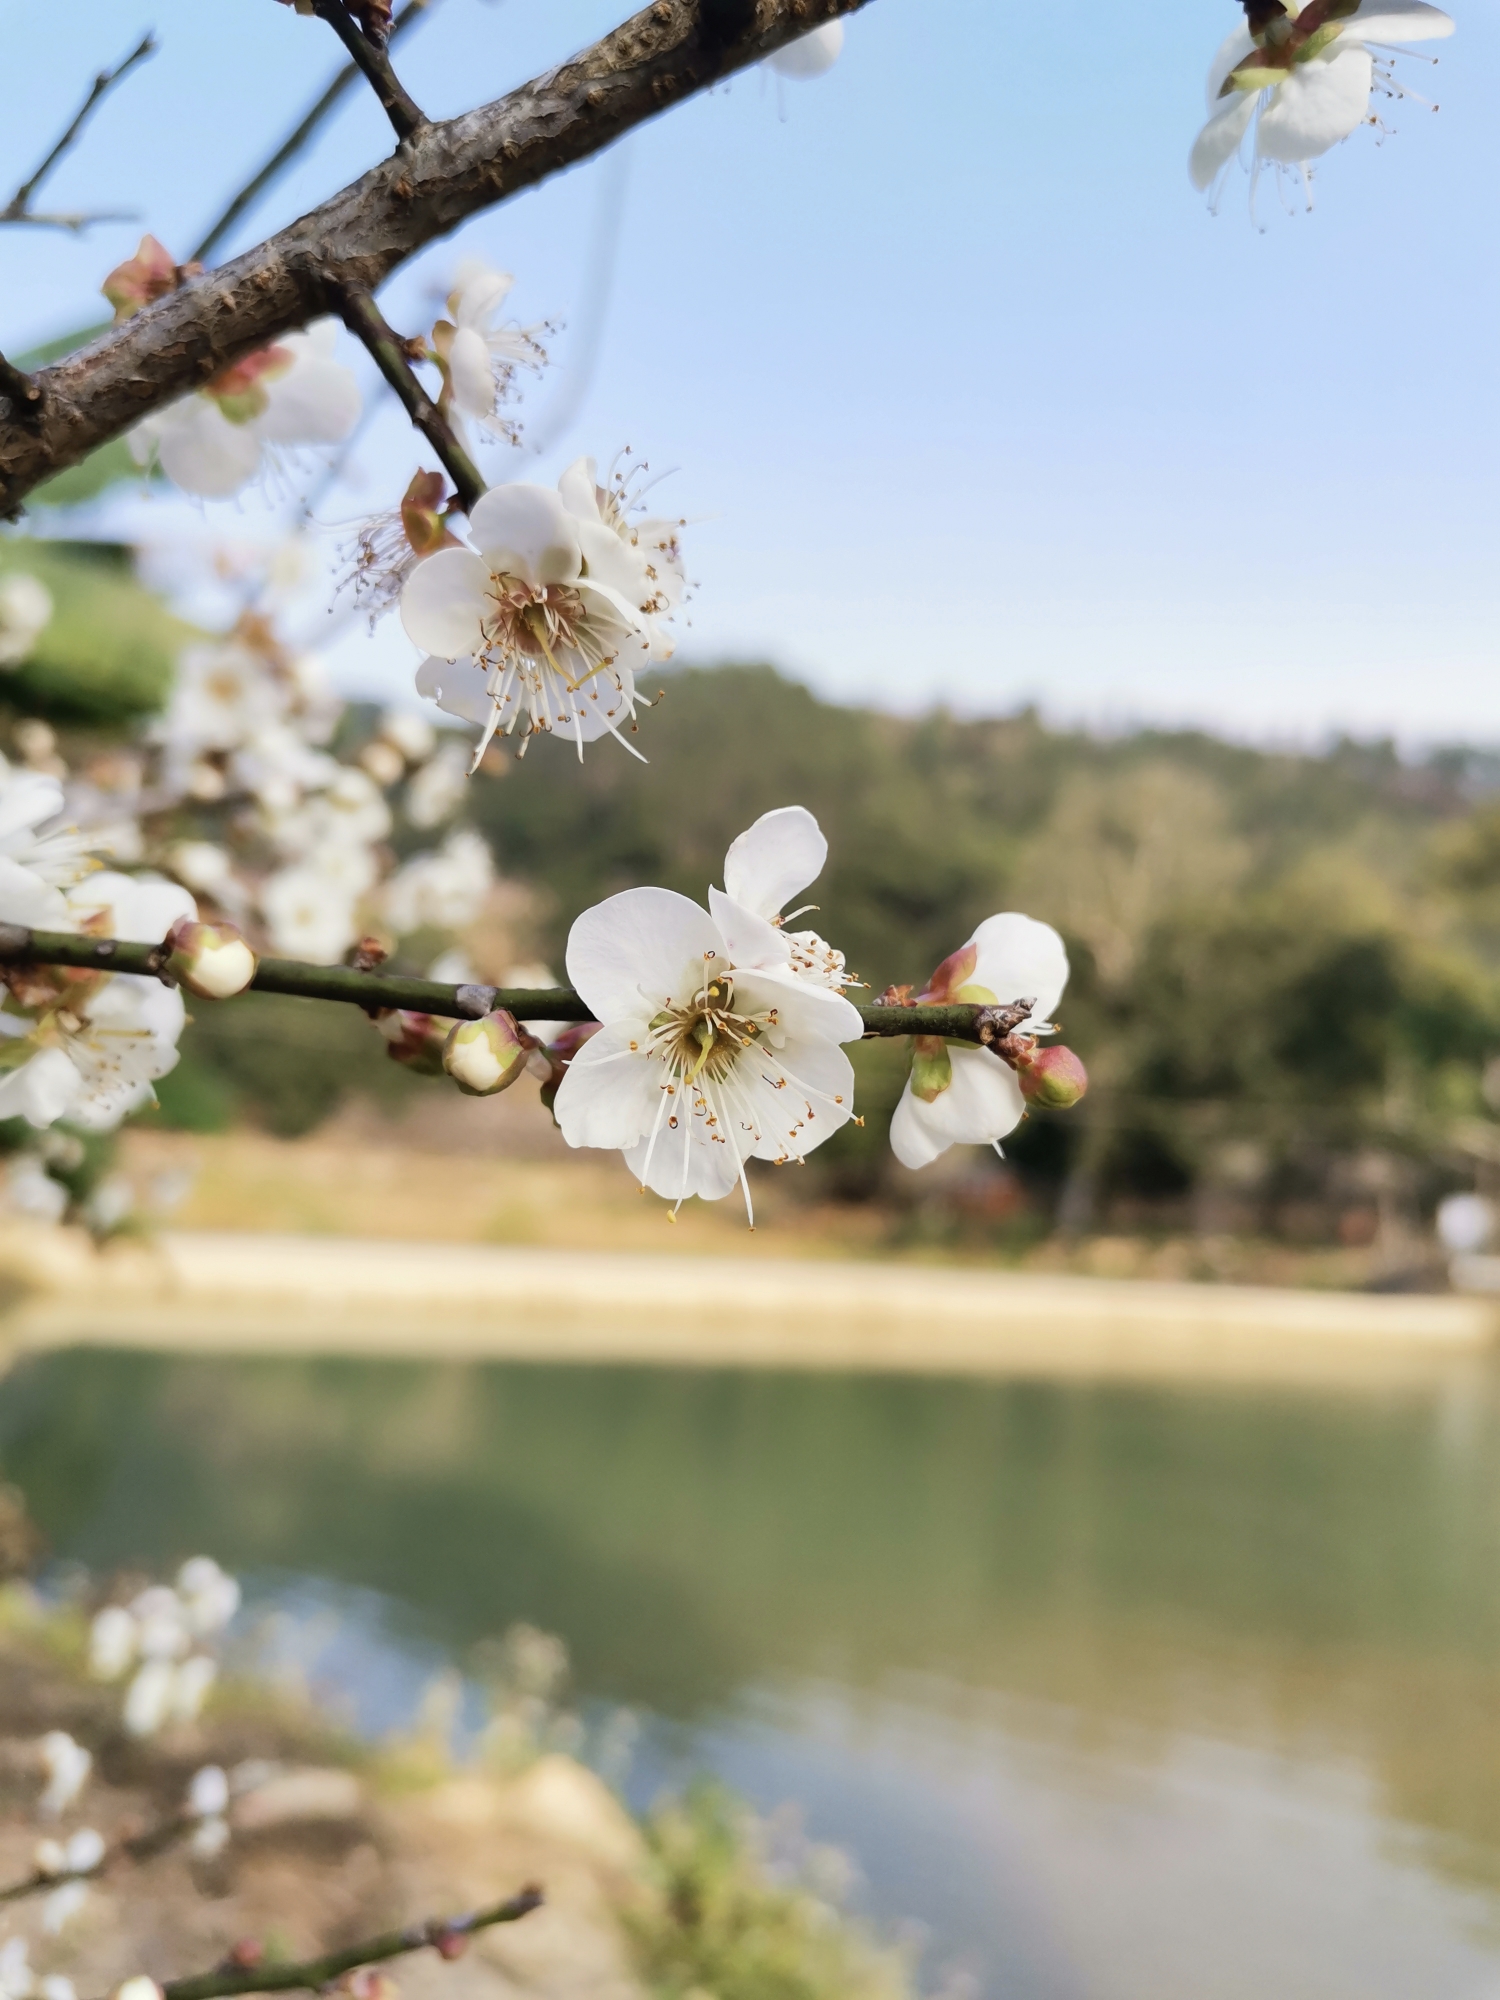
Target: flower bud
<point>423,514</point>
<point>211,960</point>
<point>147,276</point>
<point>415,1041</point>
<point>1053,1079</point>
<point>484,1057</point>
<point>139,1988</point>
<point>931,1067</point>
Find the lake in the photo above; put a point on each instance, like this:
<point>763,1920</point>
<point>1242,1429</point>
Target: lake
<point>1118,1692</point>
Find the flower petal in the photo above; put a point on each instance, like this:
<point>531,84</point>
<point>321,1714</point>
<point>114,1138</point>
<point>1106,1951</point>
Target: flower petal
<point>29,797</point>
<point>1320,103</point>
<point>609,1096</point>
<point>802,1009</point>
<point>317,400</point>
<point>1219,140</point>
<point>471,373</point>
<point>526,531</point>
<point>751,941</point>
<point>1021,959</point>
<point>1378,21</point>
<point>443,603</point>
<point>457,686</point>
<point>578,489</point>
<point>810,55</point>
<point>800,1096</point>
<point>775,860</point>
<point>26,899</point>
<point>684,1162</point>
<point>41,1091</point>
<point>203,453</point>
<point>637,952</point>
<point>1232,52</point>
<point>142,911</point>
<point>982,1104</point>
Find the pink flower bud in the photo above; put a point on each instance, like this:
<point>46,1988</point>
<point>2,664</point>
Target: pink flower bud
<point>416,1041</point>
<point>1053,1079</point>
<point>421,521</point>
<point>484,1057</point>
<point>211,960</point>
<point>149,275</point>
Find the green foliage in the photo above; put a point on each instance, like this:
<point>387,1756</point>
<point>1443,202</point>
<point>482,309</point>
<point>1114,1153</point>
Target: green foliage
<point>722,1923</point>
<point>109,651</point>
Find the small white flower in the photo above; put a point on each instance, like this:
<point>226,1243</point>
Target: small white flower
<point>35,866</point>
<point>435,792</point>
<point>112,1642</point>
<point>291,394</point>
<point>1009,957</point>
<point>25,612</point>
<point>1306,84</point>
<point>702,1062</point>
<point>148,1699</point>
<point>17,1981</point>
<point>161,1624</point>
<point>543,618</point>
<point>810,55</point>
<point>480,358</point>
<point>768,864</point>
<point>208,1793</point>
<point>308,915</point>
<point>67,1765</point>
<point>210,1596</point>
<point>62,1905</point>
<point>192,1682</point>
<point>443,890</point>
<point>647,566</point>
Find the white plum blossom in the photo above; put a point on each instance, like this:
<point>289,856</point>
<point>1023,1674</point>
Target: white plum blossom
<point>441,890</point>
<point>290,394</point>
<point>38,859</point>
<point>772,861</point>
<point>25,613</point>
<point>311,915</point>
<point>436,791</point>
<point>209,1595</point>
<point>543,617</point>
<point>67,1765</point>
<point>112,1642</point>
<point>1304,82</point>
<point>653,579</point>
<point>961,1094</point>
<point>810,55</point>
<point>479,359</point>
<point>702,1062</point>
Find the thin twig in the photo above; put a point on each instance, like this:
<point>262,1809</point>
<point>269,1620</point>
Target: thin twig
<point>310,1974</point>
<point>18,208</point>
<point>375,66</point>
<point>297,138</point>
<point>135,1847</point>
<point>366,322</point>
<point>959,1022</point>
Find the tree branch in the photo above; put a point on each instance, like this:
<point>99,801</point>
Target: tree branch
<point>375,66</point>
<point>959,1022</point>
<point>446,1934</point>
<point>135,1847</point>
<point>23,394</point>
<point>441,176</point>
<point>364,320</point>
<point>18,208</point>
<point>297,138</point>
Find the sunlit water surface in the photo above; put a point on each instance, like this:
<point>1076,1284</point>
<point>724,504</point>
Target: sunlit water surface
<point>1119,1693</point>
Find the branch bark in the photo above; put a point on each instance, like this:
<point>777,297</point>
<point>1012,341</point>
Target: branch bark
<point>435,180</point>
<point>959,1022</point>
<point>364,320</point>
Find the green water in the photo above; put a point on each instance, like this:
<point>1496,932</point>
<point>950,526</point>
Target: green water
<point>1118,1691</point>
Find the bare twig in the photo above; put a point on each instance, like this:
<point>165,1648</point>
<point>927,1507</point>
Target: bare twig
<point>959,1022</point>
<point>135,1847</point>
<point>298,137</point>
<point>365,321</point>
<point>442,175</point>
<point>18,208</point>
<point>444,1934</point>
<point>375,66</point>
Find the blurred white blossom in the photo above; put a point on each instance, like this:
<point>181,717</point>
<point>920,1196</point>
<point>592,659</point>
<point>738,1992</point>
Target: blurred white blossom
<point>25,612</point>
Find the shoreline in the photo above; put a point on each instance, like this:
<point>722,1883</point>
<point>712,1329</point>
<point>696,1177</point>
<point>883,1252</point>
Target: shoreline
<point>223,1293</point>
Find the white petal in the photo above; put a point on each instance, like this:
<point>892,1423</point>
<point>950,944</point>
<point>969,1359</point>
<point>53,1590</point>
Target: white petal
<point>1020,959</point>
<point>811,55</point>
<point>641,950</point>
<point>816,1098</point>
<point>26,899</point>
<point>750,939</point>
<point>141,911</point>
<point>1232,52</point>
<point>41,1091</point>
<point>1320,103</point>
<point>578,489</point>
<point>29,797</point>
<point>1219,140</point>
<point>457,686</point>
<point>203,453</point>
<point>443,604</point>
<point>685,1162</point>
<point>775,860</point>
<point>610,1097</point>
<point>802,1009</point>
<point>982,1104</point>
<point>527,531</point>
<point>315,402</point>
<point>914,1141</point>
<point>481,292</point>
<point>1378,21</point>
<point>615,563</point>
<point>471,374</point>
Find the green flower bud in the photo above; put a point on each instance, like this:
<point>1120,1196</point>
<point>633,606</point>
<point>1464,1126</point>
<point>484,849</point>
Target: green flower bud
<point>1053,1079</point>
<point>931,1067</point>
<point>486,1056</point>
<point>211,960</point>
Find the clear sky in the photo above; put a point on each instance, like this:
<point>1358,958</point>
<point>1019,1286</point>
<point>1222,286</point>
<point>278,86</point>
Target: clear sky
<point>971,398</point>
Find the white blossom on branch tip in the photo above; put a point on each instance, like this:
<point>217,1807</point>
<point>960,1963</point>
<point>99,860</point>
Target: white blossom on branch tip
<point>477,357</point>
<point>1304,82</point>
<point>701,1062</point>
<point>770,862</point>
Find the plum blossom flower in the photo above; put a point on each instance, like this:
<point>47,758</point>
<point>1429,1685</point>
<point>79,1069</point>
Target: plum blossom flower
<point>95,1052</point>
<point>441,890</point>
<point>1304,80</point>
<point>290,394</point>
<point>810,55</point>
<point>479,359</point>
<point>67,1765</point>
<point>543,617</point>
<point>388,546</point>
<point>703,1061</point>
<point>655,580</point>
<point>765,867</point>
<point>311,914</point>
<point>38,859</point>
<point>25,612</point>
<point>960,1094</point>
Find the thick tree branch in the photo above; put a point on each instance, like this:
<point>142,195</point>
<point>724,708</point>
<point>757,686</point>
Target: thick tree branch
<point>298,137</point>
<point>440,177</point>
<point>959,1022</point>
<point>364,320</point>
<point>444,1934</point>
<point>18,208</point>
<point>21,391</point>
<point>375,66</point>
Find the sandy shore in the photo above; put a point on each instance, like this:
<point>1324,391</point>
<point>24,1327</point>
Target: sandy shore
<point>222,1292</point>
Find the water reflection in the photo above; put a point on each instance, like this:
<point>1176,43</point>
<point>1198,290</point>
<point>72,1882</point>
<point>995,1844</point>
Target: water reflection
<point>1124,1690</point>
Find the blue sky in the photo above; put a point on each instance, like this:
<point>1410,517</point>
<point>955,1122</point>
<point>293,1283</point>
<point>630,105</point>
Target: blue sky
<point>970,397</point>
